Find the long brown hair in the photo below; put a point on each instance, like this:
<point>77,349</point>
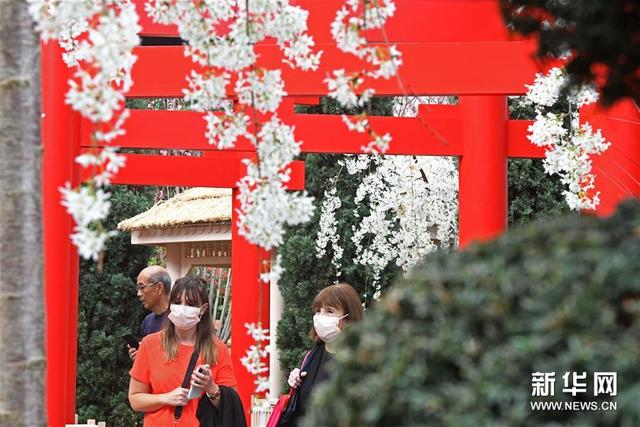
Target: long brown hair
<point>195,293</point>
<point>341,296</point>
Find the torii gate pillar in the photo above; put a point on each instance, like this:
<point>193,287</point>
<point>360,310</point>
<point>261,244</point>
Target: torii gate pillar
<point>249,301</point>
<point>59,139</point>
<point>483,168</point>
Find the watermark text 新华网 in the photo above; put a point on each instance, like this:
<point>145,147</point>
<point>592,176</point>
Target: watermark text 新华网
<point>603,385</point>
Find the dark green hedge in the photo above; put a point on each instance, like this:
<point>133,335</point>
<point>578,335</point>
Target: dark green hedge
<point>532,194</point>
<point>456,344</point>
<point>109,308</point>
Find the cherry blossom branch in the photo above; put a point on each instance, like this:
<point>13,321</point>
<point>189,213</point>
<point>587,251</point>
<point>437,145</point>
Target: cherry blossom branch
<point>348,88</point>
<point>568,143</point>
<point>221,39</point>
<point>98,37</point>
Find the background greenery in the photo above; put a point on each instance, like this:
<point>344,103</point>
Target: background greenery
<point>109,308</point>
<point>305,275</point>
<point>532,194</point>
<point>456,344</point>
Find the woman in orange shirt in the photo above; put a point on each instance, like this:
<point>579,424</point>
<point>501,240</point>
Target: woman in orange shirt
<point>157,374</point>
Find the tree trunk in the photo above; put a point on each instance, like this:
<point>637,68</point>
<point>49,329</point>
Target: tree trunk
<point>22,361</point>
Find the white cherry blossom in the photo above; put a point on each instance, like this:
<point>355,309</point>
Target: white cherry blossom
<point>328,231</point>
<point>261,89</point>
<point>412,209</point>
<point>254,358</point>
<point>221,39</point>
<point>569,144</point>
<point>98,37</point>
<point>348,30</point>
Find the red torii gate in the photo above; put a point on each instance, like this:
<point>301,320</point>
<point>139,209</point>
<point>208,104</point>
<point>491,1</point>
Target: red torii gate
<point>481,64</point>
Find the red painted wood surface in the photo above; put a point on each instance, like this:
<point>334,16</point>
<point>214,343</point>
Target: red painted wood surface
<point>483,169</point>
<point>223,170</point>
<point>617,169</point>
<point>434,133</point>
<point>249,297</point>
<point>424,20</point>
<point>449,47</point>
<point>429,68</point>
<point>60,256</point>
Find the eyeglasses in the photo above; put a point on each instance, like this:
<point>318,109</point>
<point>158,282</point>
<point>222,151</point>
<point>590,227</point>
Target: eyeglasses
<point>140,288</point>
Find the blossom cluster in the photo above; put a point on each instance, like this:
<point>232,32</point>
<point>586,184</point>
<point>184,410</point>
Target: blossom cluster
<point>98,37</point>
<point>348,30</point>
<point>275,271</point>
<point>412,209</point>
<point>253,360</point>
<point>328,231</point>
<point>408,216</point>
<point>569,143</point>
<point>221,39</point>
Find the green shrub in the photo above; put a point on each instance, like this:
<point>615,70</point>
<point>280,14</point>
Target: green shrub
<point>456,344</point>
<point>108,308</point>
<point>532,193</point>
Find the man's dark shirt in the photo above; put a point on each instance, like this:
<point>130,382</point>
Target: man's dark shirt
<point>153,323</point>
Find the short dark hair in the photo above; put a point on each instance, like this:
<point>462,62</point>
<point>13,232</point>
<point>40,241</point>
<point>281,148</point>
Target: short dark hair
<point>161,275</point>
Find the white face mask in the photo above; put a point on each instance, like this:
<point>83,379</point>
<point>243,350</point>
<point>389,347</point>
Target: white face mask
<point>184,316</point>
<point>327,326</point>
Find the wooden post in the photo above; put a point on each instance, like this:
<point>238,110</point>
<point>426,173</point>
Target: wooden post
<point>61,260</point>
<point>249,297</point>
<point>483,168</point>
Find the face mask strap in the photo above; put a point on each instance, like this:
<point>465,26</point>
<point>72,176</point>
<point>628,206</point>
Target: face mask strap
<point>203,311</point>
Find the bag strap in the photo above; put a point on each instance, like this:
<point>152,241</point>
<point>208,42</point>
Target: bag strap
<point>177,411</point>
<point>292,391</point>
<point>304,360</point>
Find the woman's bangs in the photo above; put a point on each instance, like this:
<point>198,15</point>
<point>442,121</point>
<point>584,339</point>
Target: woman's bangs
<point>326,298</point>
<point>192,297</point>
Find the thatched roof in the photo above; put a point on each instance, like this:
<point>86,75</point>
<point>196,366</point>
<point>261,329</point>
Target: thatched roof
<point>194,206</point>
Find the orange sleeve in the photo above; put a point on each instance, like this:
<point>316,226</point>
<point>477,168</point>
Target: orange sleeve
<point>140,369</point>
<point>224,372</point>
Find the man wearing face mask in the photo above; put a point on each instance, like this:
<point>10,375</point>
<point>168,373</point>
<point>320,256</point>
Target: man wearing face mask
<point>335,307</point>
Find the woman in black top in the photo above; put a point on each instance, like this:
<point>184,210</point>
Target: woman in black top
<point>335,307</point>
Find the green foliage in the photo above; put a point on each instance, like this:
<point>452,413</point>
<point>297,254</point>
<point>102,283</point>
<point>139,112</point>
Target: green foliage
<point>532,193</point>
<point>108,308</point>
<point>138,103</point>
<point>456,344</point>
<point>305,274</point>
<point>379,106</point>
<point>599,33</point>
